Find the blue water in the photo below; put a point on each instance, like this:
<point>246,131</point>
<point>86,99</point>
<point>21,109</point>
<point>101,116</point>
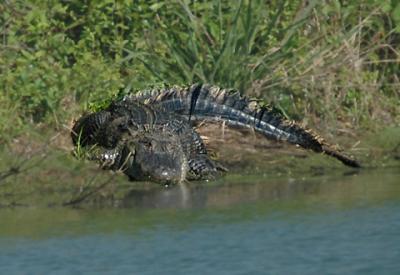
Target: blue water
<point>339,225</point>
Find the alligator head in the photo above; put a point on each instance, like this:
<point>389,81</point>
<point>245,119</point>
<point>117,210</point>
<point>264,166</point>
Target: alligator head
<point>156,156</point>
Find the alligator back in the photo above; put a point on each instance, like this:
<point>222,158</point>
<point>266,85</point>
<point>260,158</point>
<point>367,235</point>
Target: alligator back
<point>206,102</point>
<point>87,128</point>
<point>105,127</point>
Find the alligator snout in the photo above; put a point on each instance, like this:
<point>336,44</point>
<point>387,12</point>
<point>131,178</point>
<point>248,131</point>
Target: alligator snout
<point>166,171</point>
<point>158,160</point>
<point>167,176</point>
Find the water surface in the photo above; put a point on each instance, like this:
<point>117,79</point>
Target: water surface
<point>328,224</point>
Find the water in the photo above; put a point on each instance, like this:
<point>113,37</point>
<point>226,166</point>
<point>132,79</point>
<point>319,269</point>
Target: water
<point>327,224</point>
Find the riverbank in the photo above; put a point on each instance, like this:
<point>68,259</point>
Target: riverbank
<point>42,171</point>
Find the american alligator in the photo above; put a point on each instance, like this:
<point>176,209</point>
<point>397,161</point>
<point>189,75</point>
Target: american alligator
<point>149,135</point>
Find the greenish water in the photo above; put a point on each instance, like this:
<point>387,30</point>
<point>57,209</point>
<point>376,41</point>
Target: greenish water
<point>326,224</point>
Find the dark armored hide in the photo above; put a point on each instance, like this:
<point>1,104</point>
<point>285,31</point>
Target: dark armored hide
<point>149,135</point>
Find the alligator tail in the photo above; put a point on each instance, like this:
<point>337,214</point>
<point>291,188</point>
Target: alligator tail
<point>210,103</point>
<point>327,149</point>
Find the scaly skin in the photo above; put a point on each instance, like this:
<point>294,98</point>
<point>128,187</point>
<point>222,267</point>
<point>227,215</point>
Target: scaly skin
<point>148,135</point>
<point>206,102</point>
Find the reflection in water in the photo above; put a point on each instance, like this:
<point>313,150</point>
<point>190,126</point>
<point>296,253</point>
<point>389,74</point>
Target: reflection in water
<point>233,191</point>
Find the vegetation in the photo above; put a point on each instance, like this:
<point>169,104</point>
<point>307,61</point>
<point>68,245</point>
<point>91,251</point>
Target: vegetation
<point>325,62</point>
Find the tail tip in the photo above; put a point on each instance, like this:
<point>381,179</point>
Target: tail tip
<point>352,163</point>
<point>349,161</point>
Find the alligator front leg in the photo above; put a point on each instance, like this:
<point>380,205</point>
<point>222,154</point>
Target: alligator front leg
<point>201,167</point>
<point>109,159</point>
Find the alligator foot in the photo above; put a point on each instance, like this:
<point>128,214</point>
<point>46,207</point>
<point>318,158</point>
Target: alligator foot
<point>202,167</point>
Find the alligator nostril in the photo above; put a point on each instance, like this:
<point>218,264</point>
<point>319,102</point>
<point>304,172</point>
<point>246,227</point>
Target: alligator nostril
<point>167,176</point>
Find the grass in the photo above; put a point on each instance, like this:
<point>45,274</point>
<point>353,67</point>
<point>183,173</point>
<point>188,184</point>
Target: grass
<point>313,60</point>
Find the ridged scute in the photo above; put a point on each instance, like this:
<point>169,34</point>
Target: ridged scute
<point>207,102</point>
<point>204,102</point>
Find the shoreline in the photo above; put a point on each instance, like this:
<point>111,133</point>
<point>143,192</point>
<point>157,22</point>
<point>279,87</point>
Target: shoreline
<point>50,176</point>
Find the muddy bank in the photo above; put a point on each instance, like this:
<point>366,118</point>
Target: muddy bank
<point>41,170</point>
